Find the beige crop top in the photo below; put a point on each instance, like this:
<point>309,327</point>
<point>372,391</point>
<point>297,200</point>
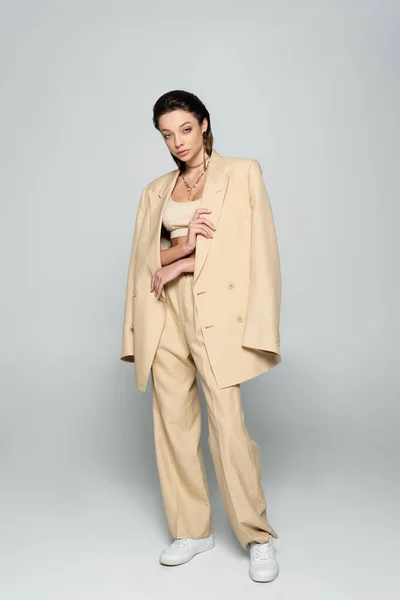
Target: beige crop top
<point>177,215</point>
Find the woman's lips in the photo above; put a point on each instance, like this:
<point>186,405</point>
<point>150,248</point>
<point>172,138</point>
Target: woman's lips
<point>183,152</point>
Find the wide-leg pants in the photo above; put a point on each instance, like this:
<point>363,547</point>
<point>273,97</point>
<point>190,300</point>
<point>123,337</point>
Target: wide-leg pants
<point>177,426</point>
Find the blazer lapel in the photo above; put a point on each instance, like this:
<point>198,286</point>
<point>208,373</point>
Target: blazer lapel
<point>212,198</point>
<point>158,201</point>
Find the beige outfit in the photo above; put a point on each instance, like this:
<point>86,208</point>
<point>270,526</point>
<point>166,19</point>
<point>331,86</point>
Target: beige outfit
<point>177,215</point>
<point>221,321</point>
<point>236,279</point>
<point>181,353</point>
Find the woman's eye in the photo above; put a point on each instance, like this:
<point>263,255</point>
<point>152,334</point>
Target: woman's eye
<point>167,135</point>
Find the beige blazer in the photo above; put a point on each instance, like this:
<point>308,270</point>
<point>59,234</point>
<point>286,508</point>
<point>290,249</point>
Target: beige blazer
<point>237,278</point>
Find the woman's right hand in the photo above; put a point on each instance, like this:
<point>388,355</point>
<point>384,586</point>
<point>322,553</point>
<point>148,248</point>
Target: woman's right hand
<point>199,224</point>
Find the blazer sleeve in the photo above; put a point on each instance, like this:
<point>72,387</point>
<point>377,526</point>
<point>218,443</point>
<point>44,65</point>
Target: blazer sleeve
<point>261,328</point>
<point>128,346</point>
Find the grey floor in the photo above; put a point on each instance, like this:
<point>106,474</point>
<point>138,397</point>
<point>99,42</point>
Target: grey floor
<point>99,536</point>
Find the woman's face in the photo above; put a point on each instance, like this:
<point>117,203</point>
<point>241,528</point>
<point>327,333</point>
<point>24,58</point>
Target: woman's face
<point>181,131</point>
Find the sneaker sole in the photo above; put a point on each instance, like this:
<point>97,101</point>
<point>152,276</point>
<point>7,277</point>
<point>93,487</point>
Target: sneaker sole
<point>263,579</point>
<point>172,563</point>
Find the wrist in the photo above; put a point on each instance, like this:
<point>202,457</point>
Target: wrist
<point>187,250</point>
<point>186,265</point>
<point>182,265</point>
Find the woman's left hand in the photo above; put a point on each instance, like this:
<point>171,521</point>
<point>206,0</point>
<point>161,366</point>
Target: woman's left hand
<point>163,276</point>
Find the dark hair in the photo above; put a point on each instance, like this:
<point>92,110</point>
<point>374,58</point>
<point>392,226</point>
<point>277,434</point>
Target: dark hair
<point>182,100</point>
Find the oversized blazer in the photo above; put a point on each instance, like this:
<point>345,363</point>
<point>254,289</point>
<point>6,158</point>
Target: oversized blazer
<point>236,279</point>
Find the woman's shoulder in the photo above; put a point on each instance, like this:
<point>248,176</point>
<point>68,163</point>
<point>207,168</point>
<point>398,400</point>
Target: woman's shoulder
<point>241,166</point>
<point>239,162</point>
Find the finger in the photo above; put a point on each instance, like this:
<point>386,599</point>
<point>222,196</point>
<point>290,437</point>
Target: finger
<point>205,231</point>
<point>202,229</point>
<point>210,225</point>
<point>206,222</point>
<point>198,229</point>
<point>200,211</point>
<point>159,286</point>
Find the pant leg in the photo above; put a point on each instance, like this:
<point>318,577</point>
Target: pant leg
<point>235,455</point>
<point>177,429</point>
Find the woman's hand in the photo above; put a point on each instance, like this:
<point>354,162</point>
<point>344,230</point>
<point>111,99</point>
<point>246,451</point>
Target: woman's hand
<point>163,276</point>
<point>197,225</point>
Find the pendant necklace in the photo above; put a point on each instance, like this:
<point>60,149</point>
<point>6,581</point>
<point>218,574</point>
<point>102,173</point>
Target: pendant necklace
<point>190,188</point>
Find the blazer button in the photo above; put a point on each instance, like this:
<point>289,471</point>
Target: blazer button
<point>132,327</point>
<point>231,285</point>
<point>240,319</point>
<point>134,293</point>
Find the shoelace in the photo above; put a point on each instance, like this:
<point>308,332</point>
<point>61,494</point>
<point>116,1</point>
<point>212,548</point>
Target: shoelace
<point>180,542</point>
<point>263,551</point>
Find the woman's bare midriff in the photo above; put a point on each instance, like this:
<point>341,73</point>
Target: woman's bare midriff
<point>182,239</point>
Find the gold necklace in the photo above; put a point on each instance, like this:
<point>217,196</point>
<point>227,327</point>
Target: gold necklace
<point>190,188</point>
<point>194,166</point>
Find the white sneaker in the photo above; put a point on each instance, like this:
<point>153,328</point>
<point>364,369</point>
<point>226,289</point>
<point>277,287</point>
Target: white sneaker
<point>182,550</point>
<point>263,563</point>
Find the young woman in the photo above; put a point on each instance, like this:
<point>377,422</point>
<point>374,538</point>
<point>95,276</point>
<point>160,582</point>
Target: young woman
<point>203,296</point>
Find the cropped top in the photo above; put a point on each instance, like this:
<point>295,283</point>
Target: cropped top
<point>177,215</point>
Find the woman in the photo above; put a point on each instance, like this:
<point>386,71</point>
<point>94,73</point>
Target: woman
<point>203,296</point>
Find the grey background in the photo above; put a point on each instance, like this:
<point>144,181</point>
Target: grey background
<point>310,89</point>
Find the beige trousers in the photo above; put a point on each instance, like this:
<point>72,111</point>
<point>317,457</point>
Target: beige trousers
<point>177,426</point>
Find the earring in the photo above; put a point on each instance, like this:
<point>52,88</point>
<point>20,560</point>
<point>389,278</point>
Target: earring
<point>204,149</point>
